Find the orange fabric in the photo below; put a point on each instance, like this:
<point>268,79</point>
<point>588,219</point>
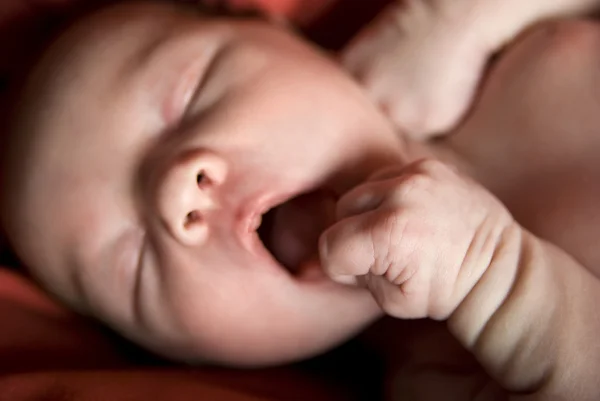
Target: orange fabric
<point>50,354</point>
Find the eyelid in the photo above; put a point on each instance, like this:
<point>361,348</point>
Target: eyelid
<point>194,93</point>
<point>185,91</point>
<point>192,80</point>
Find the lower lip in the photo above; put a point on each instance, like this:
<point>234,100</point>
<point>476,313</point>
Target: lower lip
<point>249,223</point>
<point>309,271</point>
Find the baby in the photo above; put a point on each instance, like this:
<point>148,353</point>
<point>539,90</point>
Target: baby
<point>150,141</point>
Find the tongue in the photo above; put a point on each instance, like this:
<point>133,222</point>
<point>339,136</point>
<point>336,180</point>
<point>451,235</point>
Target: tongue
<point>296,227</point>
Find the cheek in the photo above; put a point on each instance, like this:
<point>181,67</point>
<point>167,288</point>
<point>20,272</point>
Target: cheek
<point>209,296</point>
<point>229,319</point>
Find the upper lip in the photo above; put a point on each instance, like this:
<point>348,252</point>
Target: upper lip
<point>250,217</point>
<point>250,214</point>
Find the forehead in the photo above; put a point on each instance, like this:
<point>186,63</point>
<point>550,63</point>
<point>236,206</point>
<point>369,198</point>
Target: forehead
<point>116,36</point>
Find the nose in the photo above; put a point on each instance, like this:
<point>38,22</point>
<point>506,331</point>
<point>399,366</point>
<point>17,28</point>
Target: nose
<point>188,192</point>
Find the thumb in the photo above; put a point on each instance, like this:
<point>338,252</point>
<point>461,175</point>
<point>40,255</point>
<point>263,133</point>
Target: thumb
<point>346,250</point>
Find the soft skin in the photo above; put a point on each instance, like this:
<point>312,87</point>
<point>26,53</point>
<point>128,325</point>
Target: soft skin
<point>151,142</point>
<point>422,60</point>
<point>429,243</point>
<point>101,155</point>
<point>519,291</point>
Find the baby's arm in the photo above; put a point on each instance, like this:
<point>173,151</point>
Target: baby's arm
<point>422,60</point>
<point>431,244</point>
<point>540,340</point>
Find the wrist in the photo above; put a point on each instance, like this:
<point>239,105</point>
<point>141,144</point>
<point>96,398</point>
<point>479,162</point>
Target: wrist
<point>511,318</point>
<point>449,24</point>
<point>469,25</point>
<point>487,25</point>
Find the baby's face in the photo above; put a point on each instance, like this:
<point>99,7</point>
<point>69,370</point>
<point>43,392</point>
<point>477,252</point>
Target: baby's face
<point>149,143</point>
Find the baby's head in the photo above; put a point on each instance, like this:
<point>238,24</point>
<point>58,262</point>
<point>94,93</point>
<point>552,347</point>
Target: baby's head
<point>147,145</point>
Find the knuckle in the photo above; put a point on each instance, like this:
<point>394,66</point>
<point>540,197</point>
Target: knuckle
<point>401,277</point>
<point>391,225</point>
<point>411,185</point>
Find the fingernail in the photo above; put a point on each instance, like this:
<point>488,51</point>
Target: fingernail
<point>366,201</point>
<point>346,280</point>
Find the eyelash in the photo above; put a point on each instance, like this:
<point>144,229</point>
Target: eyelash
<point>186,95</point>
<point>199,83</point>
<point>212,57</point>
<point>192,98</point>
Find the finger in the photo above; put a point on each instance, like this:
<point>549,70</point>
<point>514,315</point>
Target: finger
<point>371,194</point>
<point>364,198</point>
<point>346,248</point>
<point>391,299</point>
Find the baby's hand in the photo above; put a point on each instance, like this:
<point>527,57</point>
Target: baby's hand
<point>419,238</point>
<point>429,243</point>
<point>421,62</point>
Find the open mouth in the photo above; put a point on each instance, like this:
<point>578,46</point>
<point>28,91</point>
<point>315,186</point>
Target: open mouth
<point>290,231</point>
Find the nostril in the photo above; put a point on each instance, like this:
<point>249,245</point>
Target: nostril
<point>188,191</point>
<point>200,178</point>
<point>193,231</point>
<point>191,218</point>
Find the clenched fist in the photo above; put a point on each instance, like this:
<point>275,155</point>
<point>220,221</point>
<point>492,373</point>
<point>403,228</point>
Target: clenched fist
<point>421,61</point>
<point>418,237</point>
